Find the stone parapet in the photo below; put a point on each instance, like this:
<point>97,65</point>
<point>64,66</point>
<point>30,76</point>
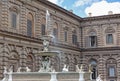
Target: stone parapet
<point>48,76</point>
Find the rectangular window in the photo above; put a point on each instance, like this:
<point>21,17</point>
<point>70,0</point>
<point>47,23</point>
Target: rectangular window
<point>111,71</point>
<point>55,32</point>
<point>43,29</point>
<point>14,20</point>
<point>65,33</point>
<point>93,41</point>
<point>74,39</point>
<point>109,38</point>
<point>111,80</point>
<point>29,27</point>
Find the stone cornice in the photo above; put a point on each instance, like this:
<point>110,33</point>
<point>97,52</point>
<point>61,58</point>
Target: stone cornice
<point>101,17</point>
<point>99,24</point>
<point>100,49</point>
<point>36,40</point>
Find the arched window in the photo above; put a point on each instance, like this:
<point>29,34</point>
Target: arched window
<point>74,37</point>
<point>43,30</point>
<point>14,60</point>
<point>13,17</point>
<point>65,34</point>
<point>93,63</point>
<point>55,30</point>
<point>30,63</point>
<point>56,63</point>
<point>30,24</point>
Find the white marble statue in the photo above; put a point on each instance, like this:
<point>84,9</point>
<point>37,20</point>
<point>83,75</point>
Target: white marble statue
<point>46,66</point>
<point>77,68</point>
<point>99,78</point>
<point>46,45</point>
<point>11,69</point>
<point>65,68</point>
<point>19,69</point>
<point>5,70</point>
<point>90,68</point>
<point>81,68</point>
<point>28,69</point>
<point>5,76</point>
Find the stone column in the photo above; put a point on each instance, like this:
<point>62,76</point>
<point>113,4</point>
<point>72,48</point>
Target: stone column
<point>23,60</point>
<point>37,61</point>
<point>101,67</point>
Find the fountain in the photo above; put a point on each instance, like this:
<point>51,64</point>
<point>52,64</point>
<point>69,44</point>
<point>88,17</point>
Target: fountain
<point>47,72</point>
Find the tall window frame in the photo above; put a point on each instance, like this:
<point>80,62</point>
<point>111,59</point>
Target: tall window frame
<point>30,25</point>
<point>91,39</point>
<point>14,20</point>
<point>74,37</point>
<point>30,62</point>
<point>14,17</point>
<point>111,68</point>
<point>43,27</point>
<point>66,36</point>
<point>55,30</point>
<point>109,35</point>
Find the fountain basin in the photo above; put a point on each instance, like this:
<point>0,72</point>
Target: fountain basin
<point>49,76</point>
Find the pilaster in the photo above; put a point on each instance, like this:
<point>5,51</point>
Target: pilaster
<point>23,19</point>
<point>23,60</point>
<point>5,15</point>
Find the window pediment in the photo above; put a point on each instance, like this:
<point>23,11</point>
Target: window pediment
<point>14,9</point>
<point>110,30</point>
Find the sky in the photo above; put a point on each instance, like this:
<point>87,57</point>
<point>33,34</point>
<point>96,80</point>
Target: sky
<point>95,7</point>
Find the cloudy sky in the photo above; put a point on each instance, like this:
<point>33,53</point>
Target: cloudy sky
<point>96,7</point>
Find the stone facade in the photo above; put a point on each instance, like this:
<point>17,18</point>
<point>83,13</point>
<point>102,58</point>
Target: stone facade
<point>18,45</point>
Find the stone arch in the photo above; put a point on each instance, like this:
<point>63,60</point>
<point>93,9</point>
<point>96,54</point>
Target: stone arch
<point>93,62</point>
<point>56,63</point>
<point>111,60</point>
<point>75,62</point>
<point>43,21</point>
<point>67,61</point>
<point>14,9</point>
<point>30,61</point>
<point>14,60</point>
<point>92,32</point>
